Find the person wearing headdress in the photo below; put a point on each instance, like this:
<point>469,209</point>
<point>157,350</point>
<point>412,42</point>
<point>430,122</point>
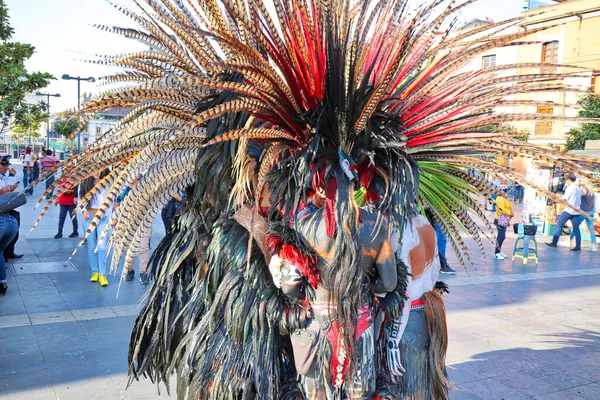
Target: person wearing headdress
<point>246,109</point>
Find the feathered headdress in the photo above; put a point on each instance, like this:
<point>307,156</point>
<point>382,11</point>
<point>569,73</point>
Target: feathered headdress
<point>252,102</point>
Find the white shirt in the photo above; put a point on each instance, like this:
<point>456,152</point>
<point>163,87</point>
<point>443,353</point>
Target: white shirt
<point>6,180</point>
<point>98,198</point>
<point>573,197</point>
<point>27,161</point>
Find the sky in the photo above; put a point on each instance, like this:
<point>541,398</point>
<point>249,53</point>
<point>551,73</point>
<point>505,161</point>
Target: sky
<point>63,34</point>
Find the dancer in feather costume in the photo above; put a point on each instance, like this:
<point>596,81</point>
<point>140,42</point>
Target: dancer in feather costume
<point>246,105</point>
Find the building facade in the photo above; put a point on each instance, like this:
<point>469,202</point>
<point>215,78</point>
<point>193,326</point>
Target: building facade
<point>571,38</point>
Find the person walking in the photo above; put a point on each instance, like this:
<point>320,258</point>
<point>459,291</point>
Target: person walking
<point>144,251</point>
<point>587,206</point>
<point>442,241</point>
<point>67,202</point>
<point>96,248</point>
<point>28,170</point>
<point>503,215</point>
<point>48,164</point>
<point>496,184</point>
<point>573,197</point>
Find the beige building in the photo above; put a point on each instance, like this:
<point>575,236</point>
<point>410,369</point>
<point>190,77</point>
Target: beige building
<point>572,38</point>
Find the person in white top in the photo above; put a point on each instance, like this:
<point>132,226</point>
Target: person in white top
<point>96,248</point>
<point>420,334</point>
<point>573,197</point>
<point>28,171</point>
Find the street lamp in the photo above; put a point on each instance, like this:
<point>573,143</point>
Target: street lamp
<point>48,95</point>
<point>67,77</point>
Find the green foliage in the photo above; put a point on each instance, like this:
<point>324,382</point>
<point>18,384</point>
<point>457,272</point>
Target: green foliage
<point>15,80</point>
<point>66,124</point>
<point>590,108</point>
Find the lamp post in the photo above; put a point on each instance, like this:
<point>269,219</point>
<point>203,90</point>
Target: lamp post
<point>78,79</point>
<point>48,95</point>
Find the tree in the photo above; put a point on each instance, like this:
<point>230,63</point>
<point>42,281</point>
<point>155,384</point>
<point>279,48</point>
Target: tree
<point>15,81</point>
<point>66,124</point>
<point>590,108</point>
<point>28,127</point>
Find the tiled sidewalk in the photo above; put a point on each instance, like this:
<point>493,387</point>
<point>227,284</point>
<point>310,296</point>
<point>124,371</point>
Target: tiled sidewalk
<point>516,331</point>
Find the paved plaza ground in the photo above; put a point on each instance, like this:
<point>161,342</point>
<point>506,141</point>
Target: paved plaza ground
<point>516,331</point>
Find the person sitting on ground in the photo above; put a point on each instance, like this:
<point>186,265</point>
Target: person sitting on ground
<point>67,202</point>
<point>8,176</point>
<point>503,214</point>
<point>573,197</point>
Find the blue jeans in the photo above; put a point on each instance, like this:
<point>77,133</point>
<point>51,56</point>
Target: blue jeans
<point>97,251</point>
<point>27,179</point>
<point>590,225</point>
<point>64,210</point>
<point>49,182</point>
<point>8,231</point>
<point>441,239</point>
<point>562,220</point>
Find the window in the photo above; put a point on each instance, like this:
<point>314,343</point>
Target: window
<point>488,61</point>
<point>98,130</point>
<point>550,56</point>
<point>544,127</point>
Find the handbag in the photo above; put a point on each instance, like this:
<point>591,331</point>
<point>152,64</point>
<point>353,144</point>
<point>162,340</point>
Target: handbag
<point>10,201</point>
<point>503,220</point>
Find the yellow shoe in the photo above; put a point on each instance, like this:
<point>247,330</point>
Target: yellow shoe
<point>94,277</point>
<point>103,281</point>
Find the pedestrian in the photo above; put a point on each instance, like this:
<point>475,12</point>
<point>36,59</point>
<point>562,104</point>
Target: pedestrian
<point>8,177</point>
<point>67,202</point>
<point>587,206</point>
<point>519,193</point>
<point>503,215</point>
<point>48,164</point>
<point>96,248</point>
<point>28,170</point>
<point>442,242</point>
<point>144,251</point>
<point>496,184</point>
<point>573,197</point>
<point>36,167</point>
<point>170,210</point>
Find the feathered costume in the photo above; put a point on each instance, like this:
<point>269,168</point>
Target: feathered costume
<point>247,106</point>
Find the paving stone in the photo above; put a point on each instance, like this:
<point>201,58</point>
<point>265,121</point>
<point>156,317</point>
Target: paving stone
<point>526,384</point>
<point>44,303</point>
<point>462,395</point>
<point>462,374</point>
<point>562,395</point>
<point>14,320</point>
<point>558,376</point>
<point>93,313</point>
<point>100,388</point>
<point>589,392</point>
<point>29,385</point>
<point>129,310</point>
<point>58,328</point>
<point>51,318</point>
<point>20,362</point>
<point>489,389</point>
